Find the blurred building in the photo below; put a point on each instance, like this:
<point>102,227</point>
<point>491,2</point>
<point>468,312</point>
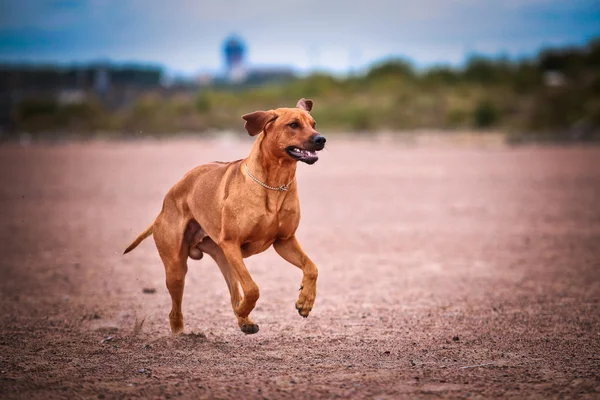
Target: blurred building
<point>269,74</point>
<point>100,78</point>
<point>237,70</point>
<point>114,85</point>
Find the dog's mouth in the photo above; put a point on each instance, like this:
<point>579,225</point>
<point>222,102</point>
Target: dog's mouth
<point>306,156</point>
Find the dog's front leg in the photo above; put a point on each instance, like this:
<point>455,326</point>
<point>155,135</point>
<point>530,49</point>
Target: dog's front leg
<point>234,257</point>
<point>291,251</point>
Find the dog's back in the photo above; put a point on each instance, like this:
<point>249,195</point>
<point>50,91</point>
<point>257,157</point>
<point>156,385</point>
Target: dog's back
<point>187,189</point>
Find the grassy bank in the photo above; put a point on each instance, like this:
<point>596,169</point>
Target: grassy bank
<point>555,95</point>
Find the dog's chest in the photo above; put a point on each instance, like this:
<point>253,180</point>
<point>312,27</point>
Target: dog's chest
<point>267,229</point>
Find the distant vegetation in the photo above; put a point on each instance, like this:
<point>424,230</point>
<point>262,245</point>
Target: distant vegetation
<point>554,95</point>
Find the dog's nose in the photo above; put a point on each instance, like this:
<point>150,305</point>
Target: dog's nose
<point>319,140</point>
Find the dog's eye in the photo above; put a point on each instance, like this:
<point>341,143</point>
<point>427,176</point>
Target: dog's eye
<point>294,125</point>
<point>314,125</point>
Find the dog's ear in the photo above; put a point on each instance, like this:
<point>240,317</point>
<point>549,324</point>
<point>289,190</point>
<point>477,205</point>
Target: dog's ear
<point>305,104</point>
<point>257,120</point>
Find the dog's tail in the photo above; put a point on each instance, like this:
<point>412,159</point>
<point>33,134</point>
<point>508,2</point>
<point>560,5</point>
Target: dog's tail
<point>139,239</point>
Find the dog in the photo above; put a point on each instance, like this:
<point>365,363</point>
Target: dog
<point>233,210</point>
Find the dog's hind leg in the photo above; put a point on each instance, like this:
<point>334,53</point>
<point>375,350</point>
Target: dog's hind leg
<point>211,248</point>
<point>173,250</point>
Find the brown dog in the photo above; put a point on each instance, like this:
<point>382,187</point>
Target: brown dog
<point>235,210</point>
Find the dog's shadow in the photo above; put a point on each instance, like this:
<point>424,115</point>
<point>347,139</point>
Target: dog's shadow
<point>181,341</point>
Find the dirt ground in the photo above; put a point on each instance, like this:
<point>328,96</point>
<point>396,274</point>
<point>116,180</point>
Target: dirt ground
<point>445,271</point>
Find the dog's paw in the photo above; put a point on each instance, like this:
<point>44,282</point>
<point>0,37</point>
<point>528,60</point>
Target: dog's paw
<point>249,329</point>
<point>247,326</point>
<point>305,302</point>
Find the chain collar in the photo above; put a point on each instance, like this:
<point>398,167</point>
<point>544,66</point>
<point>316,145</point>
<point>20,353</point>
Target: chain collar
<point>282,188</point>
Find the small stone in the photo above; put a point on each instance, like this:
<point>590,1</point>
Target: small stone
<point>149,290</point>
<point>107,339</point>
<point>456,338</point>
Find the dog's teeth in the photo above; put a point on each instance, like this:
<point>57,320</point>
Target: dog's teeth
<point>304,153</point>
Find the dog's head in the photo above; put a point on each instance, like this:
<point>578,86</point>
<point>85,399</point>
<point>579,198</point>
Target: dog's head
<point>289,133</point>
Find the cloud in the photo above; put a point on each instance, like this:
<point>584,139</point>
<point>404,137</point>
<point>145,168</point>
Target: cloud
<point>187,33</point>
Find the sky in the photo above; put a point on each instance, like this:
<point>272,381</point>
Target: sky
<point>186,36</point>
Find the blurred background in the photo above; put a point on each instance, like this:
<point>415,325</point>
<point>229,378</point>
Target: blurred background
<point>529,69</point>
<point>452,263</point>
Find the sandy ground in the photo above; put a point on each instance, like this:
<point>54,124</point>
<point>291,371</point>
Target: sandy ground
<point>445,272</point>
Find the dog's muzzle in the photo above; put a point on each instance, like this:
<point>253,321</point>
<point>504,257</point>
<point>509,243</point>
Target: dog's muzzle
<point>308,154</point>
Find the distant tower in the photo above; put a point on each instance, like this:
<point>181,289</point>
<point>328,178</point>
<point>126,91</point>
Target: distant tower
<point>102,79</point>
<point>234,52</point>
